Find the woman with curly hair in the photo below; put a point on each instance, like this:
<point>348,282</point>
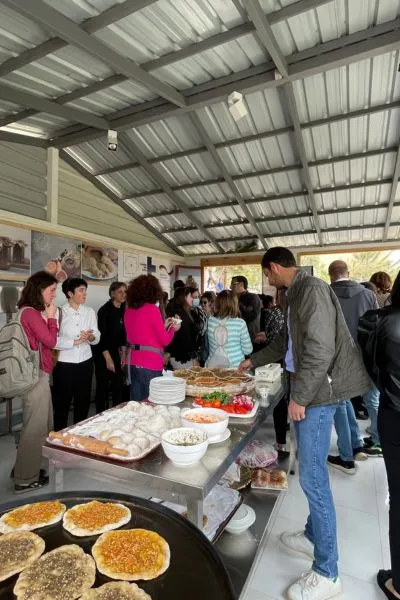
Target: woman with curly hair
<point>383,283</point>
<point>147,334</point>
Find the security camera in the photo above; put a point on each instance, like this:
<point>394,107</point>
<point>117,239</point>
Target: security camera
<point>112,140</point>
<point>236,105</point>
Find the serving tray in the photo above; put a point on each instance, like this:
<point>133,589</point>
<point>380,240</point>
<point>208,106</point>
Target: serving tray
<point>195,571</point>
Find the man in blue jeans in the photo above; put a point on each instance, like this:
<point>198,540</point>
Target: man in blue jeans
<point>355,300</point>
<point>325,368</point>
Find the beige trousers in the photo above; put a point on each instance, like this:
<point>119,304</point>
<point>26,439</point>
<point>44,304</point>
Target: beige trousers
<point>37,422</point>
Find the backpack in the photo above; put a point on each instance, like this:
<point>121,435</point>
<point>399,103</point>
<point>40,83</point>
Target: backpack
<point>19,364</point>
<point>367,339</point>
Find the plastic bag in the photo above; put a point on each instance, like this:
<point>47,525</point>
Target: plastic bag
<point>257,454</point>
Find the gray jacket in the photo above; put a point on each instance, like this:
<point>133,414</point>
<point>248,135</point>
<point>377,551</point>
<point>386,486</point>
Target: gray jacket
<point>328,365</point>
<point>355,301</point>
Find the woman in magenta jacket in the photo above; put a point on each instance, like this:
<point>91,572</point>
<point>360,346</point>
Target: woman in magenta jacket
<point>146,332</point>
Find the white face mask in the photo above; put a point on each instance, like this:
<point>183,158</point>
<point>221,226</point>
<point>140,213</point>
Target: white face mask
<point>158,304</point>
<point>196,302</point>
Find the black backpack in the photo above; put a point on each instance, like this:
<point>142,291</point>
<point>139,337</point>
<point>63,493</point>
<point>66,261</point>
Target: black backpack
<point>367,339</point>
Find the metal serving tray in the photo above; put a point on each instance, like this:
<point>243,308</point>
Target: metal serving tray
<point>195,572</point>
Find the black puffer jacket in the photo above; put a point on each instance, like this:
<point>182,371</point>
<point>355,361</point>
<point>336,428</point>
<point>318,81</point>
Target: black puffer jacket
<point>384,350</point>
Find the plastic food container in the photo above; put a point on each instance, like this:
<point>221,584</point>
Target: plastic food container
<point>184,446</point>
<point>242,520</point>
<point>214,430</point>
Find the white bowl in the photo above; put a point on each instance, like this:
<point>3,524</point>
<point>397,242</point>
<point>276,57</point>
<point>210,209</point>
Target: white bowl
<point>213,430</point>
<point>242,520</point>
<point>173,441</point>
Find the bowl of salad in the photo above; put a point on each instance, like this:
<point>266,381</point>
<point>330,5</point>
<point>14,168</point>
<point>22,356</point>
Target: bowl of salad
<point>240,405</point>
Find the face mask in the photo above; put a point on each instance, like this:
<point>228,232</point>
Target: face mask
<point>196,302</point>
<point>158,304</point>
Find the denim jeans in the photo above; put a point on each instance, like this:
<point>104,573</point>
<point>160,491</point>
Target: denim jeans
<point>348,431</point>
<point>140,382</point>
<point>313,441</point>
<point>371,401</point>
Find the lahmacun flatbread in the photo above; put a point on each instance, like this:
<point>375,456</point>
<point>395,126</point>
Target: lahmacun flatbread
<point>17,551</point>
<point>93,518</point>
<point>32,516</point>
<point>131,554</point>
<point>62,574</point>
<point>117,590</point>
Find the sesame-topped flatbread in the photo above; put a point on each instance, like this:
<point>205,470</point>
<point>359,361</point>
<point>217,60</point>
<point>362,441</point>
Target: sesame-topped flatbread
<point>62,574</point>
<point>117,590</point>
<point>95,517</point>
<point>17,551</point>
<point>131,554</point>
<point>32,516</point>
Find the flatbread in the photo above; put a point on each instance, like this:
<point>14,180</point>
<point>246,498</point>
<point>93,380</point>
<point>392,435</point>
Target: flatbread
<point>131,554</point>
<point>32,516</point>
<point>62,574</point>
<point>117,590</point>
<point>17,551</point>
<point>93,518</point>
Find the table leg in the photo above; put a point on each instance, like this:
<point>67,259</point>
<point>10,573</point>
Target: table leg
<point>195,512</point>
<point>56,475</point>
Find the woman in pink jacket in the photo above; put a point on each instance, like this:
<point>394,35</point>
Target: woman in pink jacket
<point>41,326</point>
<point>146,332</point>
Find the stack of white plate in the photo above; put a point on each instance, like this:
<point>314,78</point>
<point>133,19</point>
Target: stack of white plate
<point>167,390</point>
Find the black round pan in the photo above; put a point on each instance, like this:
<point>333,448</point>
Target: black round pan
<point>195,572</point>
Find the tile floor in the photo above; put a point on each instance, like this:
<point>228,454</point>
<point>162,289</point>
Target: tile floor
<point>362,531</point>
<point>362,528</point>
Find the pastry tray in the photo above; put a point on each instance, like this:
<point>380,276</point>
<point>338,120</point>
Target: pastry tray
<point>196,570</point>
<point>114,457</point>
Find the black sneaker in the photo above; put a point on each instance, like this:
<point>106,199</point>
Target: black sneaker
<point>29,487</point>
<point>347,466</point>
<point>368,443</point>
<point>360,454</point>
<point>374,450</point>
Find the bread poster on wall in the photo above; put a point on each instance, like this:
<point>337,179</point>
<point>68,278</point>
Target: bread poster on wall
<point>15,252</point>
<point>99,263</point>
<point>57,255</point>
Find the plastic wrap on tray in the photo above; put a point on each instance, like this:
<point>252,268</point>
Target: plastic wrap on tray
<point>257,454</point>
<point>269,479</point>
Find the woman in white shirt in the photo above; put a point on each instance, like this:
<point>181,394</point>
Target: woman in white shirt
<point>72,379</point>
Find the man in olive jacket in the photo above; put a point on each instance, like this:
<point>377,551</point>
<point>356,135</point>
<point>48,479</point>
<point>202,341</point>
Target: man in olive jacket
<point>325,368</point>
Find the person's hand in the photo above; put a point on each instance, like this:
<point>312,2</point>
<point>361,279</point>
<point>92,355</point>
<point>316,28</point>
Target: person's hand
<point>176,326</point>
<point>260,337</point>
<point>80,340</point>
<point>168,322</point>
<point>51,310</point>
<point>296,412</point>
<point>110,364</point>
<point>245,365</point>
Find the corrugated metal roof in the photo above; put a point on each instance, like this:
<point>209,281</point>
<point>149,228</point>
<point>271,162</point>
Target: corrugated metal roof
<point>249,149</point>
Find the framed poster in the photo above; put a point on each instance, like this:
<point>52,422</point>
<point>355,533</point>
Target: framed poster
<point>99,264</point>
<point>191,276</point>
<point>130,266</point>
<point>57,255</point>
<point>15,252</point>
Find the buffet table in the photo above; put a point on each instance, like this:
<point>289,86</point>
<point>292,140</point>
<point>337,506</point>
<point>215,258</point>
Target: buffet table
<point>156,476</point>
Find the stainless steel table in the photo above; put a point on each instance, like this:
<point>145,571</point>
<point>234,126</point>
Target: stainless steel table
<point>157,475</point>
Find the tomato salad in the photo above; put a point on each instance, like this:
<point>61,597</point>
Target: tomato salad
<point>234,405</point>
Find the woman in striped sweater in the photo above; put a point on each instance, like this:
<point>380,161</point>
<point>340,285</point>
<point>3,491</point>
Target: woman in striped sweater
<point>228,337</point>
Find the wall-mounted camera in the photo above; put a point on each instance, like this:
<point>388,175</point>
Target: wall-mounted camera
<point>112,140</point>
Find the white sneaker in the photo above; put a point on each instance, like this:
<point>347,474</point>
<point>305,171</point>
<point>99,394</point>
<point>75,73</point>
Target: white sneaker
<point>312,586</point>
<point>297,542</point>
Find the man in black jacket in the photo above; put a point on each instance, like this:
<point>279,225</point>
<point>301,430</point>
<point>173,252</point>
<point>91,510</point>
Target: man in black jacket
<point>381,349</point>
<point>249,304</point>
<point>355,300</point>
